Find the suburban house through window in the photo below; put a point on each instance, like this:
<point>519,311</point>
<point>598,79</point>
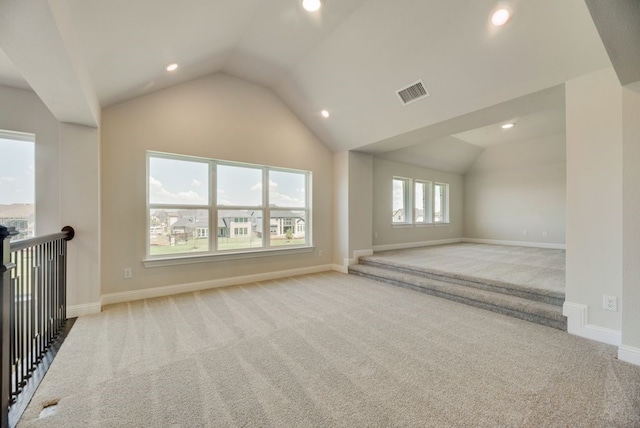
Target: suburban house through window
<point>251,207</point>
<point>419,202</point>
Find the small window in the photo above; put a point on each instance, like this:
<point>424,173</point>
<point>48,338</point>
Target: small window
<point>400,200</point>
<point>440,203</point>
<point>422,202</point>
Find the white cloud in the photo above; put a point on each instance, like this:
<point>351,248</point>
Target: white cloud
<point>220,191</point>
<point>258,186</point>
<point>7,179</point>
<point>158,194</point>
<point>196,183</point>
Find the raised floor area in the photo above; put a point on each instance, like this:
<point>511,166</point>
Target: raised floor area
<point>523,282</point>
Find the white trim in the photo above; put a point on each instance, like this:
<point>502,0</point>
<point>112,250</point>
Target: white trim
<point>578,324</point>
<point>415,244</point>
<point>629,354</point>
<point>219,257</point>
<point>341,269</point>
<point>516,243</point>
<point>74,311</point>
<point>149,293</point>
<point>356,256</point>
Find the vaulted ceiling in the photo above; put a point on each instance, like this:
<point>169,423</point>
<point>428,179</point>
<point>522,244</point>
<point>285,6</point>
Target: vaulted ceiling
<point>349,58</point>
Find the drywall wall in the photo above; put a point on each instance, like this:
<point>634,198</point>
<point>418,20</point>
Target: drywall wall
<point>218,117</point>
<point>22,110</point>
<point>341,208</point>
<point>594,194</point>
<point>631,220</point>
<point>80,208</point>
<point>517,192</point>
<point>360,202</point>
<point>385,234</point>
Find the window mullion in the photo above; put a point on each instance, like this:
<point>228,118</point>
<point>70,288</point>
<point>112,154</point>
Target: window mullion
<point>266,217</point>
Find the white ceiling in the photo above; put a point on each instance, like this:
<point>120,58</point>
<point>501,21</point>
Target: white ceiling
<point>348,58</point>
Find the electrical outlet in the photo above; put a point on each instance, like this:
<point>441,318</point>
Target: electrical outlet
<point>320,253</point>
<point>128,273</point>
<point>610,303</point>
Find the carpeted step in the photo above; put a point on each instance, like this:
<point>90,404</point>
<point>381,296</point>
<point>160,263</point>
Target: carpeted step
<point>518,307</point>
<point>517,290</point>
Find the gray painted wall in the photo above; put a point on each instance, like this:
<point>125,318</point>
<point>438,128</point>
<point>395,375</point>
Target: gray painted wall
<point>218,117</point>
<point>385,233</point>
<point>517,192</point>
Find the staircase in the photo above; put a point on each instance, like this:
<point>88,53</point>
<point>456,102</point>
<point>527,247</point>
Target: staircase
<point>508,299</point>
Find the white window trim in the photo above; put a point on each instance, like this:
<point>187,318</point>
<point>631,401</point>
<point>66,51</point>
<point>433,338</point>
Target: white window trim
<point>214,254</point>
<point>409,202</point>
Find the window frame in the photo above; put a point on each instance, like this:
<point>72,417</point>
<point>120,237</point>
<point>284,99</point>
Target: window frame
<point>407,188</point>
<point>214,252</point>
<point>429,217</point>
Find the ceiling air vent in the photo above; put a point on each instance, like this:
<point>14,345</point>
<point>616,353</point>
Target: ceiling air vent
<point>413,93</point>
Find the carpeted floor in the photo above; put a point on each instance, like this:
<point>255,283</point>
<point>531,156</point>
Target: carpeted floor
<point>541,269</point>
<point>328,350</point>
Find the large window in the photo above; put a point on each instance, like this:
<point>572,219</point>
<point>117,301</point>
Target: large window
<point>419,202</point>
<point>17,183</point>
<point>250,207</point>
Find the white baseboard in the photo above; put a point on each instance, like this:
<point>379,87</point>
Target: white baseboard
<point>356,255</point>
<point>405,245</point>
<point>341,269</point>
<point>74,311</point>
<point>578,324</point>
<point>629,354</point>
<point>149,293</point>
<point>517,243</point>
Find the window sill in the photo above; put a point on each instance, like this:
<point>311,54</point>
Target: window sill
<point>207,258</point>
<point>410,225</point>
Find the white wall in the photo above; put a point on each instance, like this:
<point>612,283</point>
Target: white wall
<point>67,190</point>
<point>22,111</point>
<point>517,192</point>
<point>341,208</point>
<point>360,202</point>
<point>594,195</point>
<point>385,235</point>
<point>80,208</point>
<point>631,220</point>
<point>219,117</point>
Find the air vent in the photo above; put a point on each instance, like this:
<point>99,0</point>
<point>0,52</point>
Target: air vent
<point>413,93</point>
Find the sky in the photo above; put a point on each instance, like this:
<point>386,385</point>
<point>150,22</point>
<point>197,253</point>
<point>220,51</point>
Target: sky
<point>173,181</point>
<point>17,175</point>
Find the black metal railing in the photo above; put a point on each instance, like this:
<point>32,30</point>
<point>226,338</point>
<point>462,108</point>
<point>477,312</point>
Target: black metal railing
<point>32,309</point>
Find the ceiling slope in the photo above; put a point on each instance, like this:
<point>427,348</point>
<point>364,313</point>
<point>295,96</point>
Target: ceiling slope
<point>37,36</point>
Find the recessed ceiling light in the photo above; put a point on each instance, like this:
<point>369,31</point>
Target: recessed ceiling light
<point>311,5</point>
<point>508,125</point>
<point>500,17</point>
<point>171,67</point>
<point>325,114</point>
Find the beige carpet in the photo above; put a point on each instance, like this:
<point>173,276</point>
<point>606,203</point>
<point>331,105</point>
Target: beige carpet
<point>328,350</point>
<point>541,269</point>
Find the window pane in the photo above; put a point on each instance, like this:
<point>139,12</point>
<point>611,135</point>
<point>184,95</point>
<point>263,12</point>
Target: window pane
<point>178,231</point>
<point>419,201</point>
<point>17,185</point>
<point>287,189</point>
<point>239,186</point>
<point>238,229</point>
<point>178,182</point>
<point>439,203</point>
<point>287,228</point>
<point>399,200</point>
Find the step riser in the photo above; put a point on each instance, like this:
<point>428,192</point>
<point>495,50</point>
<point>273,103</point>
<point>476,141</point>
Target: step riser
<point>488,287</point>
<point>560,325</point>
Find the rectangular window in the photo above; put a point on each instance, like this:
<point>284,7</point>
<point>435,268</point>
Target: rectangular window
<point>440,203</point>
<point>17,183</point>
<point>187,196</point>
<point>422,202</point>
<point>419,202</point>
<point>401,200</point>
